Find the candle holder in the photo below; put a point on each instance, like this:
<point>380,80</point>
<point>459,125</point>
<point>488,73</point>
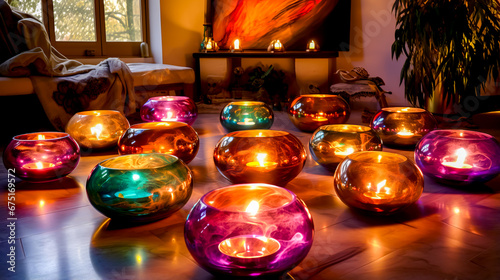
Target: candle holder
<point>308,112</point>
<point>41,156</point>
<point>236,46</point>
<point>255,230</point>
<point>139,187</point>
<point>458,157</point>
<point>275,46</point>
<point>330,144</point>
<point>402,126</point>
<point>243,115</point>
<point>168,109</point>
<point>312,46</point>
<point>98,129</point>
<point>260,156</point>
<point>378,182</point>
<point>209,45</point>
<point>172,138</point>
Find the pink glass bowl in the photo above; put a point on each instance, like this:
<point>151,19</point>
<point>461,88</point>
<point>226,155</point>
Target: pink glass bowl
<point>378,182</point>
<point>310,111</point>
<point>169,108</point>
<point>172,138</point>
<point>256,230</point>
<point>402,126</point>
<point>458,156</point>
<point>260,156</point>
<point>42,156</point>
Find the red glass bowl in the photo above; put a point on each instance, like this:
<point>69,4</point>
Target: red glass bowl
<point>169,108</point>
<point>402,126</point>
<point>172,138</point>
<point>330,144</point>
<point>253,230</point>
<point>308,112</point>
<point>260,156</point>
<point>99,129</point>
<point>378,182</point>
<point>42,156</point>
<point>458,157</point>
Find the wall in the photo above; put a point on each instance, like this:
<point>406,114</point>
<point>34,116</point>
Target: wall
<point>372,33</point>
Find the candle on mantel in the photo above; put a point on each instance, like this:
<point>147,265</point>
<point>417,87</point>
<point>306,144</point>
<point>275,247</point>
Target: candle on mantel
<point>277,45</point>
<point>236,46</point>
<point>460,162</point>
<point>312,45</point>
<point>261,164</point>
<point>209,45</point>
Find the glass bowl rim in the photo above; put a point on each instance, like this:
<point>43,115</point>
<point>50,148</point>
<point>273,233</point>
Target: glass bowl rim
<point>62,136</point>
<point>439,132</point>
<point>414,110</point>
<point>137,168</point>
<point>145,125</point>
<point>364,127</point>
<point>166,98</point>
<point>252,133</point>
<point>402,158</point>
<point>101,113</point>
<point>207,205</point>
<point>246,103</point>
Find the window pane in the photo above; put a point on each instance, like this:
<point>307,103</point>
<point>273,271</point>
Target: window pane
<point>74,20</point>
<point>32,7</point>
<point>123,20</point>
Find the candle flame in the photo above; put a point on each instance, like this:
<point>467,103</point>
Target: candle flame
<point>277,45</point>
<point>39,165</point>
<point>312,45</point>
<point>209,45</point>
<point>253,207</point>
<point>96,130</point>
<point>405,109</point>
<point>349,151</point>
<point>236,44</point>
<point>260,159</point>
<point>461,154</point>
<point>41,137</point>
<point>379,158</point>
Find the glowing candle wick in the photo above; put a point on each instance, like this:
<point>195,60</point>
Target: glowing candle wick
<point>460,162</point>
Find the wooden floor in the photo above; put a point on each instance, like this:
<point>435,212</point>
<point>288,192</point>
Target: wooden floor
<point>450,233</point>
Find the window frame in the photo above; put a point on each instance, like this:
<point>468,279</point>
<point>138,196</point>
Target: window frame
<point>100,47</point>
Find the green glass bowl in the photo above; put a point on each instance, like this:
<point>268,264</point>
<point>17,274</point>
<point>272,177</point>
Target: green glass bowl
<point>244,115</point>
<point>140,187</point>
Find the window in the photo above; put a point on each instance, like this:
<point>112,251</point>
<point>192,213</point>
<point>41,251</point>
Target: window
<point>91,27</point>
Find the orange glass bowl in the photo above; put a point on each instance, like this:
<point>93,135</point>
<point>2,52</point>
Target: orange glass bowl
<point>308,112</point>
<point>402,126</point>
<point>98,129</point>
<point>330,144</point>
<point>139,187</point>
<point>172,138</point>
<point>244,115</point>
<point>378,182</point>
<point>169,108</point>
<point>41,156</point>
<point>260,156</point>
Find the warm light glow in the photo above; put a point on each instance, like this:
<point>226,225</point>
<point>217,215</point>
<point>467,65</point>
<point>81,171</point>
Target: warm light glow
<point>41,137</point>
<point>246,121</point>
<point>405,134</point>
<point>249,247</point>
<point>312,45</point>
<point>345,152</point>
<point>460,162</point>
<point>252,208</point>
<point>379,158</point>
<point>170,117</point>
<point>260,158</point>
<point>209,45</point>
<point>378,194</point>
<point>38,165</point>
<point>261,163</point>
<point>42,203</point>
<point>320,117</point>
<point>138,258</point>
<point>96,130</point>
<point>277,45</point>
<point>236,44</point>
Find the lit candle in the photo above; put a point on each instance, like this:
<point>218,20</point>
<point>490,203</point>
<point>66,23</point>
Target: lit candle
<point>460,162</point>
<point>405,134</point>
<point>344,152</point>
<point>38,165</point>
<point>320,117</point>
<point>170,117</point>
<point>132,194</point>
<point>382,191</point>
<point>236,44</point>
<point>261,164</point>
<point>209,45</point>
<point>246,248</point>
<point>277,45</point>
<point>312,45</point>
<point>246,121</point>
<point>96,130</point>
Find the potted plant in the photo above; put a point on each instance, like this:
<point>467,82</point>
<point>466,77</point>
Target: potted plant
<point>452,48</point>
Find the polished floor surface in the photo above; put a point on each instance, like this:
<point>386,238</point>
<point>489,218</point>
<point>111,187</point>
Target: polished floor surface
<point>450,233</point>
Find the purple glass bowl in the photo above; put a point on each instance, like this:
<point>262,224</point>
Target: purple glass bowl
<point>458,156</point>
<point>42,156</point>
<point>169,108</point>
<point>256,230</point>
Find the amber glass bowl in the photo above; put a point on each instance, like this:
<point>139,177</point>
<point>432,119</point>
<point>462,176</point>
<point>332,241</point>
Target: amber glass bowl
<point>260,156</point>
<point>172,138</point>
<point>41,156</point>
<point>98,129</point>
<point>308,112</point>
<point>330,144</point>
<point>378,182</point>
<point>402,126</point>
<point>244,115</point>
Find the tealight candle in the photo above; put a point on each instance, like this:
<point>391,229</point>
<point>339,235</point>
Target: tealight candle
<point>378,182</point>
<point>99,129</point>
<point>169,108</point>
<point>42,156</point>
<point>312,46</point>
<point>256,230</point>
<point>275,46</point>
<point>261,164</point>
<point>236,47</point>
<point>402,126</point>
<point>244,115</point>
<point>458,156</point>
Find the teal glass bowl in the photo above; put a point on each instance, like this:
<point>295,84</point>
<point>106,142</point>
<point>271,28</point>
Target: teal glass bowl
<point>243,115</point>
<point>140,187</point>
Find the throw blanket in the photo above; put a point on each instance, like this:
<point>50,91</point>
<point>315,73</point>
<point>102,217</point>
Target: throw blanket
<point>63,86</point>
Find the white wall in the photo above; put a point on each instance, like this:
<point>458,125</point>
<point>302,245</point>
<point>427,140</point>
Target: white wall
<point>372,33</point>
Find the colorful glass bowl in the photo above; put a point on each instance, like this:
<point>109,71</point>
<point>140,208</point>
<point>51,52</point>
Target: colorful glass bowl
<point>243,115</point>
<point>330,144</point>
<point>139,187</point>
<point>378,182</point>
<point>172,138</point>
<point>41,156</point>
<point>402,126</point>
<point>458,157</point>
<point>260,156</point>
<point>255,230</point>
<point>310,111</point>
<point>169,108</point>
<point>98,129</point>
